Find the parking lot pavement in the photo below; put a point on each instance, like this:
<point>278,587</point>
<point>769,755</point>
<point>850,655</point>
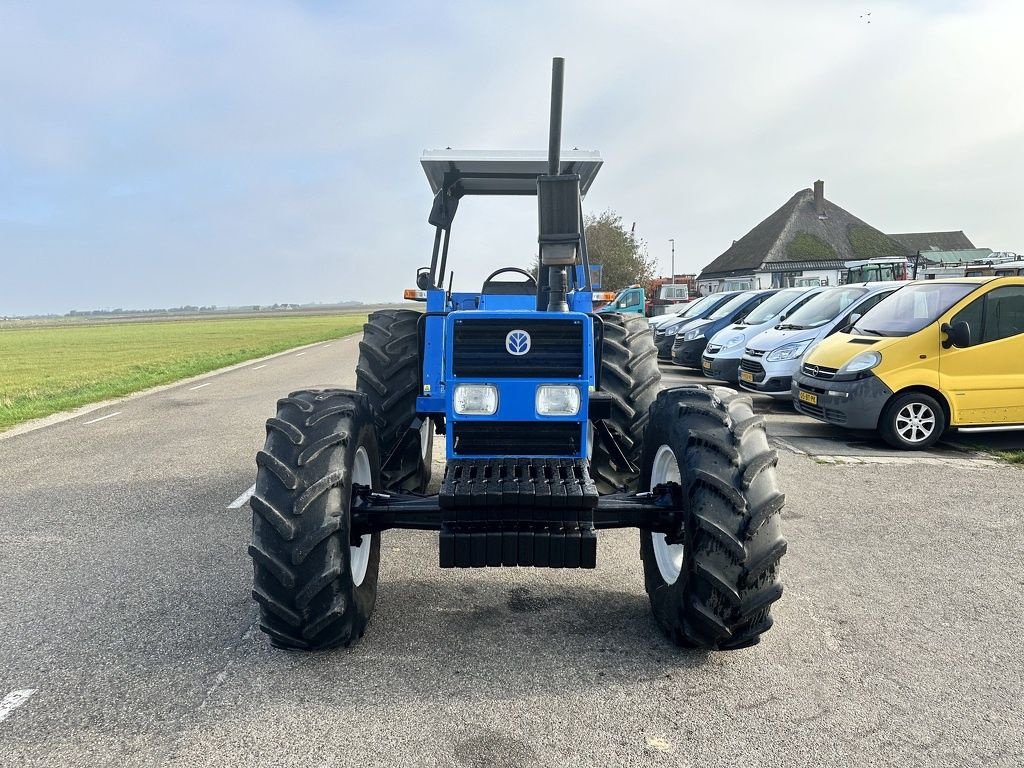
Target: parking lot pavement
<point>801,434</point>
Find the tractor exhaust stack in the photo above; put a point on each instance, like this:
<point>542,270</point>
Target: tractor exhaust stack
<point>555,133</point>
<point>558,202</point>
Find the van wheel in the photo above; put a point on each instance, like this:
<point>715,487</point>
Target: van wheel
<point>913,422</point>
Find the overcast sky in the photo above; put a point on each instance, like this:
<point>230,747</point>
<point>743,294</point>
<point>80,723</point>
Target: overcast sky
<point>223,153</point>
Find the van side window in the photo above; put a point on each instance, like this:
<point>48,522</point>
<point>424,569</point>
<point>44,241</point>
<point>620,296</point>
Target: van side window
<point>972,314</point>
<point>1004,313</point>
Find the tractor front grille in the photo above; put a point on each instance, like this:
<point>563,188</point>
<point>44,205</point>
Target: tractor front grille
<point>555,349</point>
<point>517,438</point>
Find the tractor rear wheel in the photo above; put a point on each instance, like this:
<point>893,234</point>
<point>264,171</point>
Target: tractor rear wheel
<point>712,582</point>
<point>388,373</point>
<point>315,586</point>
<point>630,374</point>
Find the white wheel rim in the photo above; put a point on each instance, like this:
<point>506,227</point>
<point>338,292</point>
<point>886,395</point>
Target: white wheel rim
<point>668,556</point>
<point>359,557</point>
<point>915,422</point>
<point>426,430</point>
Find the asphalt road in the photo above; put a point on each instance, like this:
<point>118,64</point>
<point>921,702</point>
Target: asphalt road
<point>126,614</point>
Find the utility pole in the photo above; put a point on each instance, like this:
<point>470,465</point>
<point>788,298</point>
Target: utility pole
<point>673,241</point>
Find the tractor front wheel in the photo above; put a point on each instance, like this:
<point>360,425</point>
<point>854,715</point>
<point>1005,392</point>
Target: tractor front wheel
<point>713,579</point>
<point>315,585</point>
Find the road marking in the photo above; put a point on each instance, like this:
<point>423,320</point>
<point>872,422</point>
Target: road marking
<point>200,386</point>
<point>299,354</point>
<point>13,700</point>
<point>101,418</point>
<point>257,367</point>
<point>240,501</point>
<point>327,345</point>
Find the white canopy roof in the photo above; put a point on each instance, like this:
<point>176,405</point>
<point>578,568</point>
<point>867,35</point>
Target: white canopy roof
<point>504,172</point>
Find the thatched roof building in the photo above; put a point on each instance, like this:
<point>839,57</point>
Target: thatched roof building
<point>806,241</point>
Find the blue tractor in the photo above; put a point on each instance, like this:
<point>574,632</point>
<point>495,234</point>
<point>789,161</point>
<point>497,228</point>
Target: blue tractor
<point>555,427</point>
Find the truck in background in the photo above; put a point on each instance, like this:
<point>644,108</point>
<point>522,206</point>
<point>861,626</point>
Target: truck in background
<point>880,270</point>
<point>656,298</point>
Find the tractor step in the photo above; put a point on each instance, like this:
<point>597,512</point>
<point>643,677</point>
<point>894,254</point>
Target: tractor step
<point>518,511</point>
<point>542,547</point>
<point>510,483</point>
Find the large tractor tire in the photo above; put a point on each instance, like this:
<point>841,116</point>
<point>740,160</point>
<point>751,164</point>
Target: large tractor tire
<point>712,582</point>
<point>315,587</point>
<point>630,374</point>
<point>388,373</point>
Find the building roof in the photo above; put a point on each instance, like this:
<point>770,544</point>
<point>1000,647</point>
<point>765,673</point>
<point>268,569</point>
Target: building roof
<point>934,241</point>
<point>796,235</point>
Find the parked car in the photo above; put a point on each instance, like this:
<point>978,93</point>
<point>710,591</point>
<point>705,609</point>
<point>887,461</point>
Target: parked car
<point>665,332</point>
<point>721,359</point>
<point>933,355</point>
<point>772,357</point>
<point>671,313</point>
<point>692,338</point>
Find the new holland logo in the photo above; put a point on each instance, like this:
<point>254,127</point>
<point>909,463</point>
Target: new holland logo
<point>517,342</point>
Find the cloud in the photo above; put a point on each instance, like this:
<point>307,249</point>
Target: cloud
<point>268,151</point>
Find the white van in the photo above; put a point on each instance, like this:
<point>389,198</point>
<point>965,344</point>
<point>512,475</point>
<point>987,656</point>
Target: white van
<point>772,357</point>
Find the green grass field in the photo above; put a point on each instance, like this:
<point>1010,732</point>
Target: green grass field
<point>50,369</point>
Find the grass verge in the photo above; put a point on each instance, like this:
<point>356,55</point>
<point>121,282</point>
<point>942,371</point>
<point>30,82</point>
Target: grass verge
<point>1011,457</point>
<point>48,370</point>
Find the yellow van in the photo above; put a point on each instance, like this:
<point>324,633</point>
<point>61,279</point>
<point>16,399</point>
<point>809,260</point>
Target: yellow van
<point>933,355</point>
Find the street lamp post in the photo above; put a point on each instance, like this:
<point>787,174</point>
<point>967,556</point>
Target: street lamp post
<point>673,241</point>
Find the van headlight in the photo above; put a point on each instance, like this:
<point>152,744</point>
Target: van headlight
<point>558,400</point>
<point>858,366</point>
<point>733,341</point>
<point>788,351</point>
<point>475,399</point>
<point>693,335</point>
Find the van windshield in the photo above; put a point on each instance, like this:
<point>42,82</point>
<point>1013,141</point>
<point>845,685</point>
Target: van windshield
<point>827,305</point>
<point>698,306</point>
<point>732,305</point>
<point>910,309</point>
<point>773,306</point>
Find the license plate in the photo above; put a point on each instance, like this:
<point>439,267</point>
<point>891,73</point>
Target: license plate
<point>808,398</point>
<point>746,376</point>
<point>707,365</point>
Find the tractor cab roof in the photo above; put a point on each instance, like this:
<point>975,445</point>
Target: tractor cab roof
<point>501,172</point>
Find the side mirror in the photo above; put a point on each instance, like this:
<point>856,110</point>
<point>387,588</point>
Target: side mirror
<point>853,319</point>
<point>957,335</point>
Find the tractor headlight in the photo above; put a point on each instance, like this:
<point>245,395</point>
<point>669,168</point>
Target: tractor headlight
<point>475,399</point>
<point>558,400</point>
